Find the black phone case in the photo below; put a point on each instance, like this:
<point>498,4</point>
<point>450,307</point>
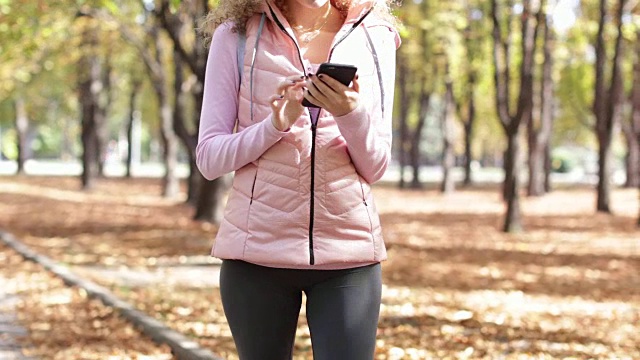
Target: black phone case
<point>341,72</point>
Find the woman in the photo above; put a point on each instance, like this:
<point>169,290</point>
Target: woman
<point>300,215</point>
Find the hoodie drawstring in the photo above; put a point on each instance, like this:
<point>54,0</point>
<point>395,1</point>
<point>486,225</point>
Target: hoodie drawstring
<point>253,58</point>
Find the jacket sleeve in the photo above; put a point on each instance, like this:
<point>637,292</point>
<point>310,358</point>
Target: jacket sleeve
<point>367,132</point>
<point>220,150</point>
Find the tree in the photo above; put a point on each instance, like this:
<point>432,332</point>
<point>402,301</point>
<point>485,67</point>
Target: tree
<point>434,34</point>
<point>132,120</point>
<point>161,86</point>
<point>541,121</point>
<point>31,34</point>
<point>631,128</point>
<point>410,88</point>
<point>153,49</point>
<point>207,195</point>
<point>89,87</point>
<point>428,42</point>
<point>448,155</point>
<point>95,72</point>
<point>608,99</point>
<point>635,99</point>
<point>632,158</point>
<point>513,121</point>
<point>104,100</point>
<point>466,104</point>
<point>405,100</point>
<point>22,127</point>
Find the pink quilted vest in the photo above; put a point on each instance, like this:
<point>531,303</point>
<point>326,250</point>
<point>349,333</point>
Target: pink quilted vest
<point>302,204</point>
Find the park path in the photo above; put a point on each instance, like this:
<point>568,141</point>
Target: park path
<point>10,329</point>
<point>190,271</point>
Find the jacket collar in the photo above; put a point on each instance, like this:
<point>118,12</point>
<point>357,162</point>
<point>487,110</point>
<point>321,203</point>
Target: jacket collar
<point>358,10</point>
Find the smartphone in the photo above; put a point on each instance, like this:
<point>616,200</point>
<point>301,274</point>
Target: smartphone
<point>341,72</point>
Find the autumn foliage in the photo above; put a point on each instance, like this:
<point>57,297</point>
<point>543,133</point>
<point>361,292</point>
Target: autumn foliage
<point>455,286</point>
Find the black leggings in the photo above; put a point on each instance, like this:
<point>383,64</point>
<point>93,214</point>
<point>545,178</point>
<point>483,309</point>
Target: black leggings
<point>262,305</point>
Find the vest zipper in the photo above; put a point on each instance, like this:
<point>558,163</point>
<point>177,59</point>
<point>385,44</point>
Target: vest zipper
<point>253,186</point>
<point>314,131</point>
<point>273,14</point>
<point>315,126</point>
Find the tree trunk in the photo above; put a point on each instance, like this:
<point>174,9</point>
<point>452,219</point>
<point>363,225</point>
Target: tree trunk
<point>170,183</point>
<point>635,106</point>
<point>404,114</point>
<point>540,134</point>
<point>211,195</point>
<point>102,131</point>
<point>599,108</point>
<point>632,127</point>
<point>512,123</point>
<point>133,141</point>
<point>513,221</point>
<point>536,166</point>
<point>604,173</point>
<point>188,140</point>
<point>632,159</point>
<point>208,195</point>
<point>417,139</point>
<point>195,183</point>
<point>472,51</point>
<point>468,131</point>
<point>468,160</point>
<point>548,167</point>
<point>132,127</point>
<point>196,180</point>
<point>448,155</point>
<point>88,88</point>
<point>22,129</point>
<point>194,55</point>
<point>607,102</point>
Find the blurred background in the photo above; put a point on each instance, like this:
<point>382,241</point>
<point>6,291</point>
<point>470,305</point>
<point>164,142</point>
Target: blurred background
<point>515,177</point>
<point>114,88</point>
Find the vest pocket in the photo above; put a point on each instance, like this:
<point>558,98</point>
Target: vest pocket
<point>253,185</point>
<point>248,226</point>
<point>364,202</point>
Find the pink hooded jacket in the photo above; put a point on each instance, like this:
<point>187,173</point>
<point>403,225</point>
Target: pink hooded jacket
<point>300,199</point>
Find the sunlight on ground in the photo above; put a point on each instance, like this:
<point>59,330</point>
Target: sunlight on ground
<point>75,196</point>
<point>456,287</point>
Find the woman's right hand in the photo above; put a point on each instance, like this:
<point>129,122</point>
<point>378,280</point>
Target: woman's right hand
<point>287,105</point>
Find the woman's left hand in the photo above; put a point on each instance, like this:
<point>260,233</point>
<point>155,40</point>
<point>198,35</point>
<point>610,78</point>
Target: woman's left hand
<point>332,95</point>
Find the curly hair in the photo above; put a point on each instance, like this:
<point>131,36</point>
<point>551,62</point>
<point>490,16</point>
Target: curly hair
<point>239,11</point>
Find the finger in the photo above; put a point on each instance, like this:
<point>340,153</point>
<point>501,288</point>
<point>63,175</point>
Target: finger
<point>295,78</point>
<point>312,99</point>
<point>315,82</point>
<point>327,94</point>
<point>318,89</point>
<point>297,86</point>
<point>275,98</point>
<point>355,85</point>
<point>274,101</point>
<point>294,92</point>
<point>289,82</point>
<point>334,84</point>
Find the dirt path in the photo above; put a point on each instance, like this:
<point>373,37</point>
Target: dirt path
<point>51,321</point>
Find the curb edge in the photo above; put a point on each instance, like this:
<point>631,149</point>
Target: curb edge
<point>182,347</point>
